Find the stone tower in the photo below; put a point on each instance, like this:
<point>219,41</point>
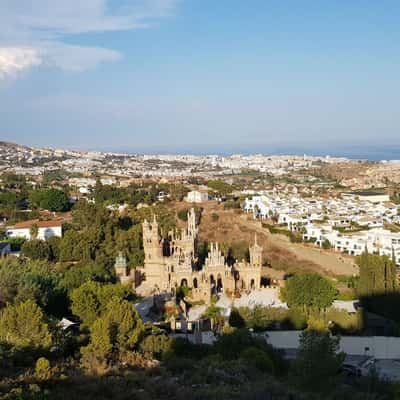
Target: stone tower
<point>154,263</point>
<point>255,253</point>
<point>121,268</point>
<point>151,241</point>
<point>191,217</point>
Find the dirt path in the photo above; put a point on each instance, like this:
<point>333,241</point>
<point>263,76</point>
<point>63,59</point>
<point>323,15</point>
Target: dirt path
<point>330,261</point>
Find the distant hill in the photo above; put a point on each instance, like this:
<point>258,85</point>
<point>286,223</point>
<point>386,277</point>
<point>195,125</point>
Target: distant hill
<point>11,145</point>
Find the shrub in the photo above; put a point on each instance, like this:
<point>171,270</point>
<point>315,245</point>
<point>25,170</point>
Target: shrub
<point>16,243</point>
<point>258,358</point>
<point>43,369</point>
<point>294,237</point>
<point>36,249</point>
<point>214,217</point>
<point>236,320</point>
<point>182,214</point>
<point>156,344</point>
<point>326,244</point>
<point>183,349</point>
<point>182,292</point>
<point>261,318</point>
<point>235,204</point>
<point>297,318</point>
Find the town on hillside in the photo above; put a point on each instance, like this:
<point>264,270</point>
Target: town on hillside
<point>243,257</point>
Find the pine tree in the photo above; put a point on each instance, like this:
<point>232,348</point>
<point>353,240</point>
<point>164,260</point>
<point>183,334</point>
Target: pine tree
<point>24,325</point>
<point>378,275</point>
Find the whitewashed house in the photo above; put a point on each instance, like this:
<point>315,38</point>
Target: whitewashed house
<point>46,229</point>
<point>197,196</point>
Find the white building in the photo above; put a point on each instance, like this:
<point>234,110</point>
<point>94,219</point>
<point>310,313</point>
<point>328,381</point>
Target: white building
<point>373,197</point>
<point>46,229</point>
<point>378,240</point>
<point>197,196</point>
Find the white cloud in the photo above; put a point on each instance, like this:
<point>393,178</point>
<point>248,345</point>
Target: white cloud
<point>14,60</point>
<point>34,33</point>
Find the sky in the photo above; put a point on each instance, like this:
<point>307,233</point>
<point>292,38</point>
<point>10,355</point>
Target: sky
<point>199,76</point>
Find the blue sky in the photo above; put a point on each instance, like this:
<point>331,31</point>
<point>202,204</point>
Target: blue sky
<point>200,75</point>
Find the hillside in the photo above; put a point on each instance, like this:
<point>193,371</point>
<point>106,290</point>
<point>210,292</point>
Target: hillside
<point>231,228</point>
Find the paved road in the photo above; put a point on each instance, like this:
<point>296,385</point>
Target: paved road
<point>143,308</point>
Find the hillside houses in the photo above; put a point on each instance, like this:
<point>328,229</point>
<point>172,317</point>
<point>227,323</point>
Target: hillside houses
<point>377,240</point>
<point>349,223</point>
<point>293,210</point>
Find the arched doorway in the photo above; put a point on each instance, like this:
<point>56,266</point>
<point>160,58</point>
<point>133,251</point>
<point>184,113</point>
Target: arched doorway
<point>219,283</point>
<point>252,284</point>
<point>212,280</point>
<point>212,285</point>
<point>184,282</point>
<point>265,282</point>
<point>195,283</point>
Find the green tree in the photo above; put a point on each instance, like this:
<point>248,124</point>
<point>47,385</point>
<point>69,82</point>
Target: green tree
<point>221,188</point>
<point>156,344</point>
<point>86,303</point>
<point>42,289</point>
<point>378,275</point>
<point>35,197</point>
<point>13,181</point>
<point>309,291</point>
<point>55,200</point>
<point>86,215</point>
<point>54,247</point>
<point>318,361</point>
<point>236,320</point>
<point>24,325</point>
<point>71,247</point>
<point>36,249</point>
<point>131,243</point>
<point>177,192</point>
<point>258,358</point>
<point>81,273</point>
<point>91,299</point>
<point>9,278</point>
<point>117,330</point>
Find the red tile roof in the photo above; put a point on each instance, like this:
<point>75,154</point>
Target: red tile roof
<point>40,224</point>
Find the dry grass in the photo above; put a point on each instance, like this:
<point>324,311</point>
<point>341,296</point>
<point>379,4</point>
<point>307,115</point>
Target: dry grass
<point>233,227</point>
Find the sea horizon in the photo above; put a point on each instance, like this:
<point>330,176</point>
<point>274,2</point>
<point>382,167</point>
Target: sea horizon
<point>368,153</point>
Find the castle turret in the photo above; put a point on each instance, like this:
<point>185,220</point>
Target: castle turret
<point>151,241</point>
<point>255,253</point>
<point>191,227</point>
<point>121,267</point>
<point>215,257</point>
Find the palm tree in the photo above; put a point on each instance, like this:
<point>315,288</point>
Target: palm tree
<point>34,231</point>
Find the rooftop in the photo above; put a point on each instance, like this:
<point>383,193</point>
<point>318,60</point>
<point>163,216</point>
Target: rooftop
<point>40,224</point>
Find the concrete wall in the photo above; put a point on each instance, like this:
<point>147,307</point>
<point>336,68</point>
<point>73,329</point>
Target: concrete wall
<point>44,233</point>
<point>381,347</point>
